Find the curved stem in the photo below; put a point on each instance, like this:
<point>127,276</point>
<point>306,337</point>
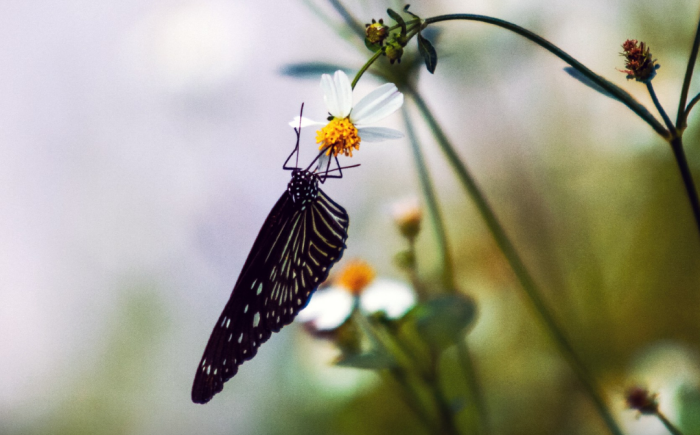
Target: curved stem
<point>613,89</point>
<point>670,426</point>
<point>366,66</point>
<point>660,108</point>
<point>682,162</point>
<point>682,116</point>
<point>528,284</point>
<point>692,103</point>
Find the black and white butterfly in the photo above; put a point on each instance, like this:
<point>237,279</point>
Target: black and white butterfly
<point>301,239</point>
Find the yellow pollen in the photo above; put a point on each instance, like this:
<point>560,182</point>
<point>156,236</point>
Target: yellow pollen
<point>338,137</point>
<point>355,276</point>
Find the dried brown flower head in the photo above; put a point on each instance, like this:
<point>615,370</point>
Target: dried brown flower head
<point>638,61</point>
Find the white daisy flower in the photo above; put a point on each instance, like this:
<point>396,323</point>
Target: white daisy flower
<point>331,307</point>
<point>348,125</point>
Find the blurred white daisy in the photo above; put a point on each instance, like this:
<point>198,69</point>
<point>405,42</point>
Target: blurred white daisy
<point>355,284</point>
<point>347,125</point>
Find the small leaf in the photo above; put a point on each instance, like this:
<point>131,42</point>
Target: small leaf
<point>396,17</point>
<point>443,321</point>
<point>311,70</point>
<point>426,49</point>
<point>405,9</point>
<point>573,72</point>
<point>372,360</point>
<point>372,47</point>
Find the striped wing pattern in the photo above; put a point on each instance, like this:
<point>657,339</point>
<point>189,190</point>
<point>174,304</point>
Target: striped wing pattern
<point>291,256</point>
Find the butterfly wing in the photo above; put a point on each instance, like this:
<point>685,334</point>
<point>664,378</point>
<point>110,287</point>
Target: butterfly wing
<point>291,256</point>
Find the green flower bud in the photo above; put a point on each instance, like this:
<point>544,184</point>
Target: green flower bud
<point>394,51</point>
<point>376,32</point>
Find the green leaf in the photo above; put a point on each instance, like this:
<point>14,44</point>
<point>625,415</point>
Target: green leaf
<point>396,17</point>
<point>311,70</point>
<point>405,9</point>
<point>372,47</point>
<point>372,360</point>
<point>443,321</point>
<point>426,49</point>
<point>573,72</point>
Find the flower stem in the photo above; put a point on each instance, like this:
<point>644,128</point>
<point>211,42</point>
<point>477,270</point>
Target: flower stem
<point>528,284</point>
<point>432,205</point>
<point>394,346</point>
<point>410,397</point>
<point>682,116</point>
<point>366,66</point>
<point>413,272</point>
<point>692,103</point>
<point>660,108</point>
<point>463,353</point>
<point>679,154</point>
<point>467,364</point>
<point>671,428</point>
<point>611,88</point>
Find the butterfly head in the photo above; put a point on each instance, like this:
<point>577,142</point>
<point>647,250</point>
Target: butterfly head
<point>303,187</point>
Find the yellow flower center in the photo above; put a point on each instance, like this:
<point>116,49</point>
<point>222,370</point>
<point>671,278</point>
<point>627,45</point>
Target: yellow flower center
<point>338,137</point>
<point>355,276</point>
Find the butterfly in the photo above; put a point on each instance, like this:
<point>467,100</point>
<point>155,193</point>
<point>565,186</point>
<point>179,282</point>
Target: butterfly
<point>302,238</point>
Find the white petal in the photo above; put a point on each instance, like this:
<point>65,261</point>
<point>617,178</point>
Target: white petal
<point>344,93</point>
<point>330,95</point>
<point>377,105</point>
<point>305,122</point>
<point>323,163</point>
<point>378,134</point>
<point>327,309</point>
<point>337,93</point>
<point>392,297</point>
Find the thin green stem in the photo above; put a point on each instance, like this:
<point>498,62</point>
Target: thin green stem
<point>392,344</point>
<point>447,417</point>
<point>671,428</point>
<point>682,116</point>
<point>660,108</point>
<point>464,355</point>
<point>411,398</point>
<point>467,364</point>
<point>432,205</point>
<point>692,103</point>
<point>682,162</point>
<point>528,284</point>
<point>611,88</point>
<point>366,66</point>
<point>413,271</point>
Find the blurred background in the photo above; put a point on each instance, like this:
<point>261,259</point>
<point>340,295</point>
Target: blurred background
<point>141,145</point>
